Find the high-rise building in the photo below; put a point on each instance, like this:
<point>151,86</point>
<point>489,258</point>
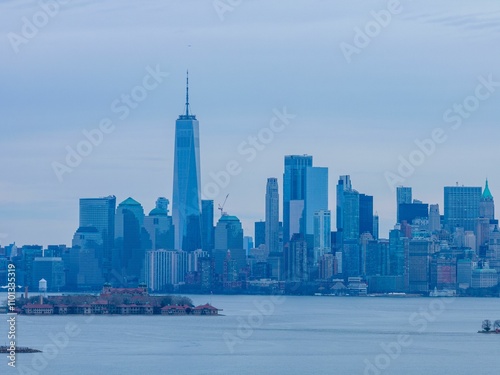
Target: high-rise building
<point>461,207</point>
<point>350,215</point>
<point>207,225</point>
<point>100,214</point>
<point>344,184</point>
<point>294,181</point>
<point>186,207</point>
<point>366,214</point>
<point>403,195</point>
<point>295,255</point>
<point>260,233</point>
<point>228,233</point>
<point>411,211</point>
<point>375,226</point>
<point>322,234</point>
<point>272,215</point>
<point>52,270</point>
<point>419,253</point>
<point>159,226</point>
<point>434,218</point>
<point>315,198</point>
<point>130,240</point>
<point>486,204</point>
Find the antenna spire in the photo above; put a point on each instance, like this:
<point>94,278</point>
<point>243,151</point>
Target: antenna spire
<point>187,92</point>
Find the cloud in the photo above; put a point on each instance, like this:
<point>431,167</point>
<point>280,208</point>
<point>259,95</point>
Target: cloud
<point>480,21</point>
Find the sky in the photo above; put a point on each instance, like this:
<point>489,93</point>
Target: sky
<point>368,87</point>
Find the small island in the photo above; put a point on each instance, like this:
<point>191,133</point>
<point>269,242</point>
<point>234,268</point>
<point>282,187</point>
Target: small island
<point>113,301</point>
<point>6,349</point>
<point>488,328</point>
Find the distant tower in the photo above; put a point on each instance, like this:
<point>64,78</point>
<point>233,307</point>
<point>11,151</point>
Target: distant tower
<point>403,195</point>
<point>294,180</point>
<point>375,226</point>
<point>272,215</point>
<point>100,214</point>
<point>42,287</point>
<point>186,205</point>
<point>434,218</point>
<point>486,204</point>
<point>461,207</point>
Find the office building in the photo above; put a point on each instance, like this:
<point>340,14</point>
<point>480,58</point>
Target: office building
<point>186,205</point>
<point>207,225</point>
<point>294,192</point>
<point>403,195</point>
<point>100,214</point>
<point>461,207</point>
<point>272,227</point>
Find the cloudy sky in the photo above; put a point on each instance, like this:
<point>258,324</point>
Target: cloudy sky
<point>362,94</point>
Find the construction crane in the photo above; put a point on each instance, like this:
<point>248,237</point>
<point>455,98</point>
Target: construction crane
<point>221,207</point>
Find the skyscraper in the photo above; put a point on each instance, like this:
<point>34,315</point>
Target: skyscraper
<point>366,214</point>
<point>207,225</point>
<point>434,218</point>
<point>486,204</point>
<point>129,240</point>
<point>272,215</point>
<point>461,207</point>
<point>322,234</point>
<point>344,184</point>
<point>403,195</point>
<point>100,214</point>
<point>186,205</point>
<point>315,197</point>
<point>294,192</point>
<point>260,233</point>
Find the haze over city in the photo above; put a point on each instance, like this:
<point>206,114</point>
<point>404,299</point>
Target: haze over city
<point>355,114</point>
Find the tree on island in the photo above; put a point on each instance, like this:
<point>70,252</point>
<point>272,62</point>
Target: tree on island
<point>486,325</point>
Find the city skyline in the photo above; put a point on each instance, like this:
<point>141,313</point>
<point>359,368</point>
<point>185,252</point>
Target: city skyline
<point>324,96</point>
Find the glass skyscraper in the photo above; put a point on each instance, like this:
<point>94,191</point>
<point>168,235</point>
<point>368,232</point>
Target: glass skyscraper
<point>316,196</point>
<point>186,203</point>
<point>461,207</point>
<point>403,195</point>
<point>100,214</point>
<point>293,190</point>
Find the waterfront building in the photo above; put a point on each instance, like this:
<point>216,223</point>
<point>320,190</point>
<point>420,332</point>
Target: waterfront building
<point>419,252</point>
<point>295,261</point>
